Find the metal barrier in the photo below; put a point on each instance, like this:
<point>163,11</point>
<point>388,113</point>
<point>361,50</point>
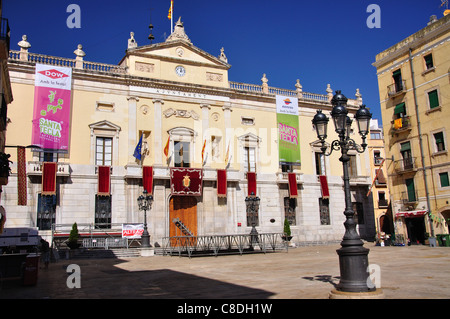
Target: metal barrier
<point>223,244</point>
<point>105,243</point>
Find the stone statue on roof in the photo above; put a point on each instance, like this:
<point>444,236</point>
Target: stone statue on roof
<point>178,33</point>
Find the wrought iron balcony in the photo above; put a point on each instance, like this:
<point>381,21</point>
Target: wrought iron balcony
<point>405,165</point>
<point>397,88</point>
<point>409,198</point>
<point>401,124</point>
<point>383,203</point>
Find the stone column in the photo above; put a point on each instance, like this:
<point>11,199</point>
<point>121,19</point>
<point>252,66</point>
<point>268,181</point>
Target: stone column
<point>132,127</point>
<point>157,130</point>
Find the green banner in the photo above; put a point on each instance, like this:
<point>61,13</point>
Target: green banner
<point>288,130</point>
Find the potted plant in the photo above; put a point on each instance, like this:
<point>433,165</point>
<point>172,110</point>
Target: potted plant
<point>287,231</point>
<point>73,237</point>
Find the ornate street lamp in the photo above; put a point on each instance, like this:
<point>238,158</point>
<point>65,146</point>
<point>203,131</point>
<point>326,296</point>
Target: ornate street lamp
<point>145,203</point>
<point>252,204</point>
<point>353,257</point>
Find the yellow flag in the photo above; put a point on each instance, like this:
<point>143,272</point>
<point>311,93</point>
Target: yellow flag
<point>169,16</point>
<point>398,123</point>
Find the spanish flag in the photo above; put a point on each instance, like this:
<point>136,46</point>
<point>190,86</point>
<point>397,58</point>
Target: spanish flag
<point>166,149</point>
<point>203,151</point>
<point>169,16</point>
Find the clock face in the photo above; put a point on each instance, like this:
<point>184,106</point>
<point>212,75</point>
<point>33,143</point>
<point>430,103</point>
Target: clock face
<point>180,70</point>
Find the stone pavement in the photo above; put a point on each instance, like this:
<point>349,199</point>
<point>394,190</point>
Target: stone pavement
<point>311,272</point>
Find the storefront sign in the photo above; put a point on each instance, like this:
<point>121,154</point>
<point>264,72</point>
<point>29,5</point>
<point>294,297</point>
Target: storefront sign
<point>52,99</point>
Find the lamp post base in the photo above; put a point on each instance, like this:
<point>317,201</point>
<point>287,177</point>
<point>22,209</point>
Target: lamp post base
<point>377,294</point>
<point>353,264</point>
<point>145,239</point>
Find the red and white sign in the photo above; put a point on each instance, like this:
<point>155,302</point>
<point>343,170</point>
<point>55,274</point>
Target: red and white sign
<point>132,230</point>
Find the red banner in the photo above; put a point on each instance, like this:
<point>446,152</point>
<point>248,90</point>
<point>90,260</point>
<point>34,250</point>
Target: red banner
<point>21,177</point>
<point>186,181</point>
<point>147,179</point>
<point>324,186</point>
<point>293,190</point>
<point>251,183</point>
<point>222,183</point>
<point>104,181</point>
<point>49,178</point>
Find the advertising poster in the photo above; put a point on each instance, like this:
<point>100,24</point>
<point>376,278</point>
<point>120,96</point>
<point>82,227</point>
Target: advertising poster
<point>288,130</point>
<point>51,116</point>
<point>132,230</point>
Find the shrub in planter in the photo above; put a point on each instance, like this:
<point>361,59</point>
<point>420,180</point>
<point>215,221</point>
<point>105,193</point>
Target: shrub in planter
<point>73,237</point>
<point>287,231</point>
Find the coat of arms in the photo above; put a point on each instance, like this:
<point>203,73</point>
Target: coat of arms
<point>186,181</point>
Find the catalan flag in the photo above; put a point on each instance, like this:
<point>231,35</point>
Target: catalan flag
<point>166,149</point>
<point>203,151</point>
<point>169,16</point>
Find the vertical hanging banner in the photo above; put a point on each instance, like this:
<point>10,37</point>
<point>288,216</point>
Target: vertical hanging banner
<point>288,130</point>
<point>52,100</point>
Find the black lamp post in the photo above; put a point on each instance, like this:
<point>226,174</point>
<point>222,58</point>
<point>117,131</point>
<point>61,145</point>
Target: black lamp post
<point>145,203</point>
<point>252,204</point>
<point>353,257</point>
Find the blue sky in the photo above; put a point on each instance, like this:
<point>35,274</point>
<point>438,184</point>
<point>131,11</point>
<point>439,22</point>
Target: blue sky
<point>318,42</point>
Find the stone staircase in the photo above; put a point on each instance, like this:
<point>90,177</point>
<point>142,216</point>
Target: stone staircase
<point>99,253</point>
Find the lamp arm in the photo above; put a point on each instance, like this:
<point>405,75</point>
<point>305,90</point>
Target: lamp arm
<point>335,146</point>
<point>352,145</point>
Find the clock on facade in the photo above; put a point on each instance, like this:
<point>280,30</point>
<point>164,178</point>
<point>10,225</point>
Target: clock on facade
<point>180,70</point>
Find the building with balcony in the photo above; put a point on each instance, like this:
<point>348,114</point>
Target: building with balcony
<point>379,190</point>
<point>6,99</point>
<point>413,78</point>
<point>168,109</point>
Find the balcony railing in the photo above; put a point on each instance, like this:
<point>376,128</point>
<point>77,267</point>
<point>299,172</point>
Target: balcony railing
<point>401,124</point>
<point>409,198</point>
<point>35,168</point>
<point>382,203</point>
<point>396,88</point>
<point>377,160</point>
<point>405,165</point>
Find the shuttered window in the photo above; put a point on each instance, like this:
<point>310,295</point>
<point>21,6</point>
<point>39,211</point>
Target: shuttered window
<point>433,98</point>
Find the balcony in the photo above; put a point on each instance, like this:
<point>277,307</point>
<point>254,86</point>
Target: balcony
<point>409,198</point>
<point>396,89</point>
<point>35,169</point>
<point>402,124</point>
<point>405,165</point>
<point>383,203</point>
<point>377,161</point>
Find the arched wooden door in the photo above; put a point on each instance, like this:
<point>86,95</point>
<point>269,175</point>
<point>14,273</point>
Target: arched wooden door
<point>183,208</point>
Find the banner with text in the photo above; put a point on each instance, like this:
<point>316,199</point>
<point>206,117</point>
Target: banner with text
<point>52,99</point>
<point>132,230</point>
<point>288,130</point>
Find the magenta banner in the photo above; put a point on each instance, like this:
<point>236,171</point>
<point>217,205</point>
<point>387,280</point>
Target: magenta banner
<point>52,99</point>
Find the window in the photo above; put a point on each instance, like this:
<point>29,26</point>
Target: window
<point>46,211</point>
<point>400,111</point>
<point>410,189</point>
<point>382,202</point>
<point>444,179</point>
<point>377,157</point>
<point>352,171</point>
<point>324,210</point>
<point>405,150</point>
<point>289,210</point>
<point>102,211</point>
<point>433,99</point>
<point>439,140</point>
<point>48,157</point>
<point>359,212</point>
<point>397,76</point>
<point>320,163</point>
<point>249,159</point>
<point>103,151</point>
<point>181,152</point>
<point>375,136</point>
<point>428,61</point>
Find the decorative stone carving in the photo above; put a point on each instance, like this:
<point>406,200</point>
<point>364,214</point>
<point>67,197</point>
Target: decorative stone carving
<point>216,77</point>
<point>181,113</point>
<point>132,42</point>
<point>144,67</point>
<point>265,86</point>
<point>178,33</point>
<point>222,56</point>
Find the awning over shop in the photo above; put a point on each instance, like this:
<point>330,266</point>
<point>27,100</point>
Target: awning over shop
<point>412,213</point>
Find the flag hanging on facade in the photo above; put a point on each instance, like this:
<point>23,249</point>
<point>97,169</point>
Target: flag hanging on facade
<point>169,16</point>
<point>138,150</point>
<point>227,154</point>
<point>203,151</point>
<point>166,148</point>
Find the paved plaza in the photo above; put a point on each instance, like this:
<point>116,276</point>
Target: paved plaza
<point>311,272</point>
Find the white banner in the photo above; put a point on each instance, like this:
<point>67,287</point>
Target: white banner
<point>132,230</point>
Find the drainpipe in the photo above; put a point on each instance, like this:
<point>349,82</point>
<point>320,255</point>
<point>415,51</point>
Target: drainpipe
<point>421,144</point>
